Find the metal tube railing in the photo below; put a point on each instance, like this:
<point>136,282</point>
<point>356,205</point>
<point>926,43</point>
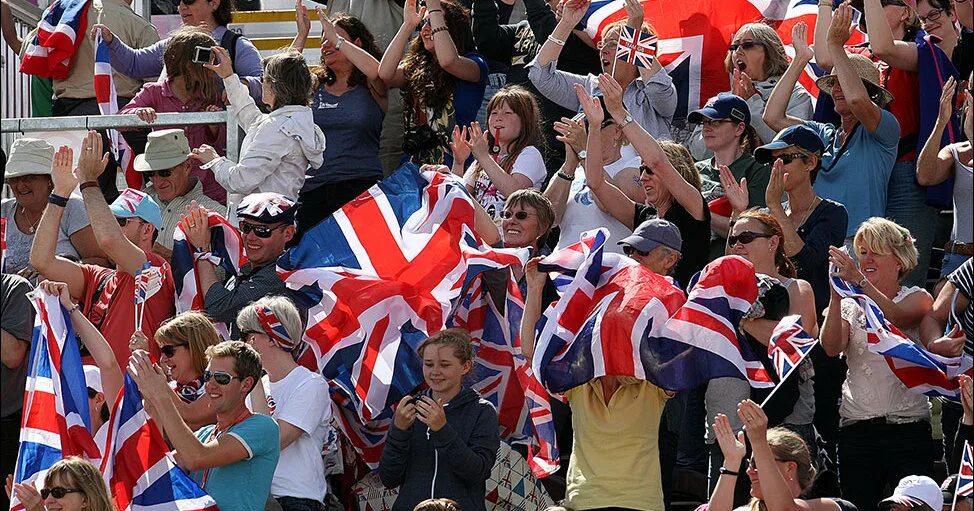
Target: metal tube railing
<point>100,122</point>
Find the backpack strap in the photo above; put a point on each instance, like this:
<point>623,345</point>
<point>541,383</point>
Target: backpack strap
<point>229,43</point>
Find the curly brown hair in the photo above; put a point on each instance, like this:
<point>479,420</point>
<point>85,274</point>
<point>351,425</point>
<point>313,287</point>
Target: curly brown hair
<point>356,30</point>
<point>426,81</point>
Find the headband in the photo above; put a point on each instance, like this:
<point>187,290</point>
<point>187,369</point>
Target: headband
<point>274,328</point>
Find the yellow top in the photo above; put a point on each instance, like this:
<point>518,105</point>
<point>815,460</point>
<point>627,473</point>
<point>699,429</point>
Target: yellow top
<point>615,449</point>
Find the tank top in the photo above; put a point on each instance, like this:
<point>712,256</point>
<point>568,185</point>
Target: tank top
<point>352,124</point>
<point>963,230</point>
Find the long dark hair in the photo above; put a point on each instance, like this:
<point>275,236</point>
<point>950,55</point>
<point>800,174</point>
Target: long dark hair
<point>426,80</point>
<point>356,30</point>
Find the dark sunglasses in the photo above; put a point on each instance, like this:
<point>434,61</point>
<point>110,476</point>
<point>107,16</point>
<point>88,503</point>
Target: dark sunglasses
<point>933,15</point>
<point>790,157</point>
<point>520,215</point>
<point>753,464</point>
<point>746,45</point>
<point>161,173</point>
<point>745,238</point>
<point>629,251</point>
<point>58,492</point>
<point>645,169</point>
<point>169,350</point>
<point>261,231</point>
<point>221,377</point>
<point>123,221</point>
<point>187,2</point>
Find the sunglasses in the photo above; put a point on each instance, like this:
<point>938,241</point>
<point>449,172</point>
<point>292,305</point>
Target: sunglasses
<point>221,377</point>
<point>187,2</point>
<point>58,492</point>
<point>169,350</point>
<point>711,123</point>
<point>753,464</point>
<point>629,251</point>
<point>261,231</point>
<point>745,238</point>
<point>790,157</point>
<point>520,215</point>
<point>123,221</point>
<point>746,45</point>
<point>644,169</point>
<point>161,173</point>
<point>933,15</point>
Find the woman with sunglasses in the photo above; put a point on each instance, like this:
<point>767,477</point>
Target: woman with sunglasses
<point>780,468</point>
<point>213,16</point>
<point>884,428</point>
<point>669,179</point>
<point>71,484</point>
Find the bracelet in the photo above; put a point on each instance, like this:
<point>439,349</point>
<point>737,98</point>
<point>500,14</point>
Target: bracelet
<point>559,42</point>
<point>862,283</point>
<point>434,10</point>
<point>57,200</point>
<point>564,176</point>
<point>728,472</point>
<point>437,30</point>
<point>88,184</point>
<point>74,308</point>
<point>339,43</point>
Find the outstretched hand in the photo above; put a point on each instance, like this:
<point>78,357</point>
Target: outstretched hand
<point>736,193</point>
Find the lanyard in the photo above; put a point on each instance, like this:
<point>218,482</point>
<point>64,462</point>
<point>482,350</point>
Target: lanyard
<point>216,433</point>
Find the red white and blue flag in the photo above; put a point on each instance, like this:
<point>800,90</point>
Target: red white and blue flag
<point>789,345</point>
<point>918,369</point>
<point>138,467</point>
<point>226,251</point>
<point>965,479</point>
<point>108,105</point>
<point>61,31</point>
<point>55,423</point>
<point>640,53</point>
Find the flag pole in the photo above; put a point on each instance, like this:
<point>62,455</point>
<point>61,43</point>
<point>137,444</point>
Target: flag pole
<point>783,380</point>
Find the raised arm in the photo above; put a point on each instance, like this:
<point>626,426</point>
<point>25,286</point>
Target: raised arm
<point>389,70</point>
<point>733,448</point>
<point>361,59</point>
<point>303,21</point>
<point>856,95</point>
<point>446,51</point>
<point>571,133</point>
<point>822,57</point>
<point>554,43</point>
<point>493,41</point>
<point>898,54</point>
<point>835,330</point>
<point>9,29</point>
<point>906,313</point>
<point>936,164</point>
<point>506,183</point>
<point>136,63</point>
<point>532,308</point>
<point>43,249</point>
<point>935,321</point>
<point>776,110</point>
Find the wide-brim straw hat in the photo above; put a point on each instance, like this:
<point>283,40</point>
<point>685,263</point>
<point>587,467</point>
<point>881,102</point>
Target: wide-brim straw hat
<point>869,74</point>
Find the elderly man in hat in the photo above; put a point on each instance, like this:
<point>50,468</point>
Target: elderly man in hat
<point>126,231</point>
<point>172,185</point>
<point>655,244</point>
<point>860,152</point>
<point>266,222</point>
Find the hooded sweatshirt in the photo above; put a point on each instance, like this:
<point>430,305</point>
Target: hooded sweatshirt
<point>276,152</point>
<point>453,462</point>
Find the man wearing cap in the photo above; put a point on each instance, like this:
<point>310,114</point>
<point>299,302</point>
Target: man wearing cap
<point>727,131</point>
<point>125,231</point>
<point>860,152</point>
<point>16,330</point>
<point>172,185</point>
<point>655,244</point>
<point>266,222</point>
<point>914,492</point>
<point>29,176</point>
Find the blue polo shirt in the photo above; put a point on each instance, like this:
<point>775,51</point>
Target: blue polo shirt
<point>246,484</point>
<point>856,174</point>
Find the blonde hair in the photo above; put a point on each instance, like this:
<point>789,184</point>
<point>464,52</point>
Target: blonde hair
<point>885,237</point>
<point>193,329</point>
<point>680,158</point>
<point>80,473</point>
<point>786,445</point>
<point>456,338</point>
<point>775,58</point>
<point>246,360</point>
<point>615,28</point>
<point>441,504</point>
<point>283,308</point>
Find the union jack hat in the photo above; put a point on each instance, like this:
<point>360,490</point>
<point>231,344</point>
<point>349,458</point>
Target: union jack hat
<point>267,207</point>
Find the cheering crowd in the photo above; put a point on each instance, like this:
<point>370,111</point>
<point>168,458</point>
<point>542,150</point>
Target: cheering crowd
<point>834,201</point>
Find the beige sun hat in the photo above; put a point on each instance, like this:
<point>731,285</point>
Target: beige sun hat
<point>164,149</point>
<point>29,157</point>
<point>869,74</point>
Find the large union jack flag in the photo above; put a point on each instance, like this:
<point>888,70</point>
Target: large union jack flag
<point>789,345</point>
<point>641,52</point>
<point>108,105</point>
<point>919,370</point>
<point>137,466</point>
<point>55,420</point>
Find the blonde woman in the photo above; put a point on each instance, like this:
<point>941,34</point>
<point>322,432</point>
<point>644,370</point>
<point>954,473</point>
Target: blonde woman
<point>71,484</point>
<point>183,341</point>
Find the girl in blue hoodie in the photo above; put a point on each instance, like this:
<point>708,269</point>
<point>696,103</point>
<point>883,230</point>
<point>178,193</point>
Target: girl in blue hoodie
<point>444,442</point>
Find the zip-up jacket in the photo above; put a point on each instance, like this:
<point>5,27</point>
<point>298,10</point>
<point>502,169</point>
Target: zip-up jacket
<point>453,462</point>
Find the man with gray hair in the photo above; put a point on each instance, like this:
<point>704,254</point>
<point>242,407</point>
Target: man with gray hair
<point>655,244</point>
<point>294,396</point>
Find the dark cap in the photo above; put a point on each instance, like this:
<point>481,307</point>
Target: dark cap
<point>798,135</point>
<point>267,207</point>
<point>722,106</point>
<point>653,233</point>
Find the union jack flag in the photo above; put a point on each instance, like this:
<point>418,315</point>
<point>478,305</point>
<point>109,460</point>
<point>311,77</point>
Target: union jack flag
<point>137,466</point>
<point>226,249</point>
<point>641,53</point>
<point>108,105</point>
<point>55,420</point>
<point>60,32</point>
<point>147,283</point>
<point>965,479</point>
<point>918,369</point>
<point>382,274</point>
<point>789,345</point>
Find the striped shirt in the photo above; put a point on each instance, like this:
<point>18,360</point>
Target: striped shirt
<point>174,210</point>
<point>963,280</point>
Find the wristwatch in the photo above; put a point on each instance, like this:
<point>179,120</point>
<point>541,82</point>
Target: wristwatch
<point>582,154</point>
<point>625,122</point>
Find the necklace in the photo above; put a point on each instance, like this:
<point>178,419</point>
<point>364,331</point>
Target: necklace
<point>808,211</point>
<point>31,225</point>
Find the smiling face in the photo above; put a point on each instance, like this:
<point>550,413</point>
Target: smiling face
<point>521,232</point>
<point>841,107</point>
<point>180,365</point>
<point>655,189</point>
<point>31,191</point>
<point>787,469</point>
<point>226,398</point>
<point>261,251</point>
<point>749,57</point>
<point>878,268</point>
<point>936,20</point>
<point>443,370</point>
<point>333,58</point>
<point>75,501</point>
<point>200,12</point>
<point>760,251</point>
<point>175,185</point>
<point>503,121</point>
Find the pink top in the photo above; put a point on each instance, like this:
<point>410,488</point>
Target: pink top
<point>159,96</point>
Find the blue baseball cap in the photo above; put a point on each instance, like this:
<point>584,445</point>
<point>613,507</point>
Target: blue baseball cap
<point>653,233</point>
<point>132,203</point>
<point>798,135</point>
<point>722,106</point>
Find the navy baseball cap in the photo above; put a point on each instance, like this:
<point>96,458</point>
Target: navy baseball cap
<point>722,106</point>
<point>653,233</point>
<point>798,135</point>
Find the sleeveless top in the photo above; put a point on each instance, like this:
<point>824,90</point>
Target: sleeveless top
<point>963,229</point>
<point>352,124</point>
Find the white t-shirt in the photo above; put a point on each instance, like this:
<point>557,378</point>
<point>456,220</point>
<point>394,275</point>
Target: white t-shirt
<point>583,214</point>
<point>529,164</point>
<point>301,399</point>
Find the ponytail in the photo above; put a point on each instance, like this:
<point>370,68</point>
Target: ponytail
<point>749,139</point>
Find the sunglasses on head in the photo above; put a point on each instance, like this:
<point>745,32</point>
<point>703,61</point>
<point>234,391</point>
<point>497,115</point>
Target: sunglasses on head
<point>58,492</point>
<point>520,215</point>
<point>746,45</point>
<point>221,377</point>
<point>629,251</point>
<point>790,157</point>
<point>169,350</point>
<point>753,464</point>
<point>745,238</point>
<point>261,231</point>
<point>161,173</point>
